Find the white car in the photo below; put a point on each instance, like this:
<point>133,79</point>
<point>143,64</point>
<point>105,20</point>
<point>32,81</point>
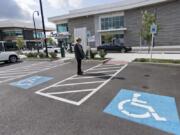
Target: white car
<point>52,49</point>
<point>8,56</point>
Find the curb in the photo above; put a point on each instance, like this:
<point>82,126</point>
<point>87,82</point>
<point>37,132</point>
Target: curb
<point>39,59</point>
<point>170,64</point>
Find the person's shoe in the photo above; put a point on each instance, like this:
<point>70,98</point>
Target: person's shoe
<point>80,73</point>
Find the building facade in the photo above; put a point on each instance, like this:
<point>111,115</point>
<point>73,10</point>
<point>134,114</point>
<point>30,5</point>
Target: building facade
<point>11,30</point>
<point>122,20</point>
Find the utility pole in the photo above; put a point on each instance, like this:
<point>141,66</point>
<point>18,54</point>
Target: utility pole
<point>44,30</point>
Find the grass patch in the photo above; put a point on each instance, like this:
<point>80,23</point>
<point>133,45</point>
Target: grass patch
<point>158,61</point>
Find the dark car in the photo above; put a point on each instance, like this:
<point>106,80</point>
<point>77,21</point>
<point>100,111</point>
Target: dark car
<point>114,48</point>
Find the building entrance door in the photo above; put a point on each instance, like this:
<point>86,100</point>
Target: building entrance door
<point>81,33</point>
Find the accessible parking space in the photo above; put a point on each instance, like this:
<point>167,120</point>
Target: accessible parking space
<point>112,98</point>
<point>92,81</point>
<point>13,73</point>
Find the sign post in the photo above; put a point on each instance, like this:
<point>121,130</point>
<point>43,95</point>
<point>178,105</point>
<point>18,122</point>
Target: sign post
<point>153,32</point>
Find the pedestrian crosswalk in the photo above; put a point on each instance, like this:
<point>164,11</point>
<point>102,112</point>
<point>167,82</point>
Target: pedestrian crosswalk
<point>76,89</point>
<point>15,73</point>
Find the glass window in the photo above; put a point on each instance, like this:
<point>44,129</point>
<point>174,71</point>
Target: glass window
<point>115,22</point>
<point>12,32</point>
<point>62,27</point>
<point>10,46</point>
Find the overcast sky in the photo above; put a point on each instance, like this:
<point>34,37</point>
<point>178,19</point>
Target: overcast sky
<point>23,9</point>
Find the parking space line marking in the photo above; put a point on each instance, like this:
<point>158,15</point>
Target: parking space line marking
<point>64,80</point>
<point>102,85</point>
<point>19,76</point>
<point>92,91</point>
<point>72,84</point>
<point>9,76</point>
<point>57,98</point>
<point>72,91</point>
<point>14,73</point>
<point>106,68</point>
<point>23,67</point>
<point>111,65</point>
<point>102,71</point>
<point>89,77</point>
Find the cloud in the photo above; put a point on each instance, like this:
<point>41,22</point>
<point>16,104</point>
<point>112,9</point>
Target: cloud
<point>9,9</point>
<point>65,3</point>
<point>27,5</point>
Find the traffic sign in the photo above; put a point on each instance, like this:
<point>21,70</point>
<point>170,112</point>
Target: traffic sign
<point>31,82</point>
<point>153,28</point>
<point>148,109</point>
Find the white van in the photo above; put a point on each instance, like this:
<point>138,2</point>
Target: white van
<point>7,56</point>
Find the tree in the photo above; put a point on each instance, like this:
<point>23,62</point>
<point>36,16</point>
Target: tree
<point>50,41</point>
<point>147,20</point>
<point>20,43</point>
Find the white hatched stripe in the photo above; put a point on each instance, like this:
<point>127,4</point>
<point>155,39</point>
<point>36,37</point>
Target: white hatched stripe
<point>72,91</point>
<point>72,84</point>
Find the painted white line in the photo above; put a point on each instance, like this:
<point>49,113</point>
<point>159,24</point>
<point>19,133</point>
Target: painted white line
<point>23,67</point>
<point>65,80</point>
<point>105,65</point>
<point>32,73</point>
<point>106,68</point>
<point>40,92</point>
<point>103,71</point>
<point>89,77</point>
<point>17,73</point>
<point>72,84</point>
<point>102,85</point>
<point>8,76</point>
<point>72,91</point>
<point>57,98</point>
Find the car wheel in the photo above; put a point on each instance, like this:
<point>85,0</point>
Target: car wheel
<point>123,50</point>
<point>56,51</point>
<point>13,59</point>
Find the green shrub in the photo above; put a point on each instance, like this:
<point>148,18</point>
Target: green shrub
<point>30,55</point>
<point>102,53</point>
<point>35,55</point>
<point>93,54</point>
<point>53,55</point>
<point>42,55</point>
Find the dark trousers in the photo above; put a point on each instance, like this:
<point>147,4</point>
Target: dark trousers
<point>79,61</point>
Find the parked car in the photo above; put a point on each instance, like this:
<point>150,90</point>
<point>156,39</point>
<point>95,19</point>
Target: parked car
<point>114,47</point>
<point>8,56</point>
<point>52,49</point>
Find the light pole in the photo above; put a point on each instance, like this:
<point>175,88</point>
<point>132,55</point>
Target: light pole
<point>35,29</point>
<point>44,30</point>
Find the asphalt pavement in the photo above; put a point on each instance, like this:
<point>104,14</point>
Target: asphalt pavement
<point>68,104</point>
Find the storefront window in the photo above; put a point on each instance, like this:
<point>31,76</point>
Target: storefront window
<point>39,35</point>
<point>12,32</point>
<point>62,27</point>
<point>112,37</point>
<point>114,22</point>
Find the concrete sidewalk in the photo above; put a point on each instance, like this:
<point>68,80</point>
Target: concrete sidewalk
<point>129,57</point>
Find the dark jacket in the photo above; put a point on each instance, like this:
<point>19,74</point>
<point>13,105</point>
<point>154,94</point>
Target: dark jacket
<point>79,53</point>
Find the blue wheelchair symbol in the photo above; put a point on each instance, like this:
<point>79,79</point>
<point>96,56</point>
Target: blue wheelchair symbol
<point>149,109</point>
<point>31,82</point>
<point>142,104</point>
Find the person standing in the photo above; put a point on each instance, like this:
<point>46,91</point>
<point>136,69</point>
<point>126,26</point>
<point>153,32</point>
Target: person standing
<point>79,54</point>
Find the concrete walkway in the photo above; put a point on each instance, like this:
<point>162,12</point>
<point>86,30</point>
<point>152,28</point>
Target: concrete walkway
<point>129,57</point>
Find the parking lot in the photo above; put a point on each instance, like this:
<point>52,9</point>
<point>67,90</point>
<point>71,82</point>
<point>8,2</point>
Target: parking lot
<point>60,102</point>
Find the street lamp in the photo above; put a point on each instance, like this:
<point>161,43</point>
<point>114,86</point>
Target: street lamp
<point>35,28</point>
<point>44,30</point>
